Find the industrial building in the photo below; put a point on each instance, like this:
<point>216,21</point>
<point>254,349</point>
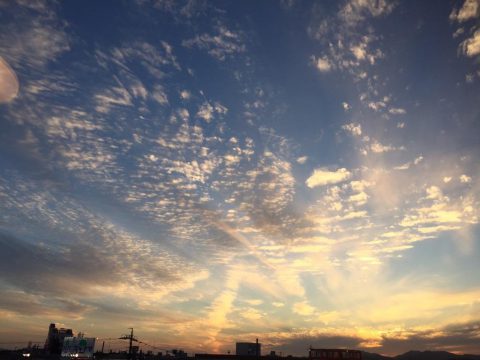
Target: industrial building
<point>55,337</point>
<point>78,347</point>
<point>248,348</point>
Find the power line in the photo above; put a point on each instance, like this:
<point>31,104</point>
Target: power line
<point>153,346</point>
<point>130,338</point>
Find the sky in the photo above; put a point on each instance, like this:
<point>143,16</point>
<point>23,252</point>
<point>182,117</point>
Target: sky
<point>302,172</point>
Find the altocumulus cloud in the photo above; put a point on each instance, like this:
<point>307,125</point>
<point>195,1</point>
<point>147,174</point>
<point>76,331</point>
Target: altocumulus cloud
<point>323,176</point>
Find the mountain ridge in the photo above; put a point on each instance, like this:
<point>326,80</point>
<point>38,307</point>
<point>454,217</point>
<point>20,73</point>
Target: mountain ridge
<point>421,355</point>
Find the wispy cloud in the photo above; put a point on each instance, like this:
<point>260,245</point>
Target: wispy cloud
<point>221,45</point>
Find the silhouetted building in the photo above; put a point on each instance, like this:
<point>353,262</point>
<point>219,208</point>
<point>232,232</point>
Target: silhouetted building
<point>55,337</point>
<point>179,354</point>
<point>248,349</point>
<point>328,354</point>
<point>79,347</point>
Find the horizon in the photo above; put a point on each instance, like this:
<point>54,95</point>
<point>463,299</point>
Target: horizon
<point>120,345</point>
<point>208,172</point>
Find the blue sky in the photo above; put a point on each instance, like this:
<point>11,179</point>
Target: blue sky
<point>209,172</point>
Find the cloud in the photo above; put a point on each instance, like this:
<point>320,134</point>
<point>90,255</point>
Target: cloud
<point>80,266</point>
<point>469,10</point>
<point>322,64</point>
<point>471,46</point>
<point>185,94</point>
<point>207,111</point>
<point>302,160</point>
<point>116,95</point>
<point>407,165</point>
<point>23,303</point>
<point>159,95</point>
<point>350,48</point>
<point>354,129</point>
<point>379,148</point>
<point>145,197</point>
<point>434,192</point>
<point>224,44</point>
<point>323,176</point>
<point>35,38</point>
<point>376,106</point>
<point>457,338</point>
<point>355,11</point>
<point>359,198</point>
<point>397,111</point>
<point>8,82</point>
<point>303,308</point>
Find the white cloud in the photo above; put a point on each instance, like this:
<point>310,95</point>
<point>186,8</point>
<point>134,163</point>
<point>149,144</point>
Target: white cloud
<point>159,95</point>
<point>359,198</point>
<point>323,64</point>
<point>185,94</point>
<point>303,308</point>
<point>302,159</point>
<point>469,10</point>
<point>400,125</point>
<point>346,106</point>
<point>447,179</point>
<point>405,166</point>
<point>458,32</point>
<point>397,111</point>
<point>223,44</point>
<point>35,41</point>
<point>114,96</point>
<point>355,11</point>
<point>183,113</point>
<point>471,46</point>
<point>8,82</point>
<point>220,109</point>
<point>359,51</point>
<point>254,302</point>
<point>377,147</point>
<point>359,185</point>
<point>465,178</point>
<point>434,192</point>
<point>354,129</point>
<point>377,106</point>
<point>251,314</point>
<point>323,176</point>
<point>207,111</point>
<point>418,160</point>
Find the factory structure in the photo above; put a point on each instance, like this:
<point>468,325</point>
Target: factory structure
<point>60,341</point>
<point>248,348</point>
<point>55,337</point>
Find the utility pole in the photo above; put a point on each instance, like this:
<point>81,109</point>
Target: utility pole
<point>131,339</point>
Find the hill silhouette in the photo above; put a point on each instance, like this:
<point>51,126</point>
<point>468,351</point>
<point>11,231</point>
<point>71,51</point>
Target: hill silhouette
<point>421,355</point>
